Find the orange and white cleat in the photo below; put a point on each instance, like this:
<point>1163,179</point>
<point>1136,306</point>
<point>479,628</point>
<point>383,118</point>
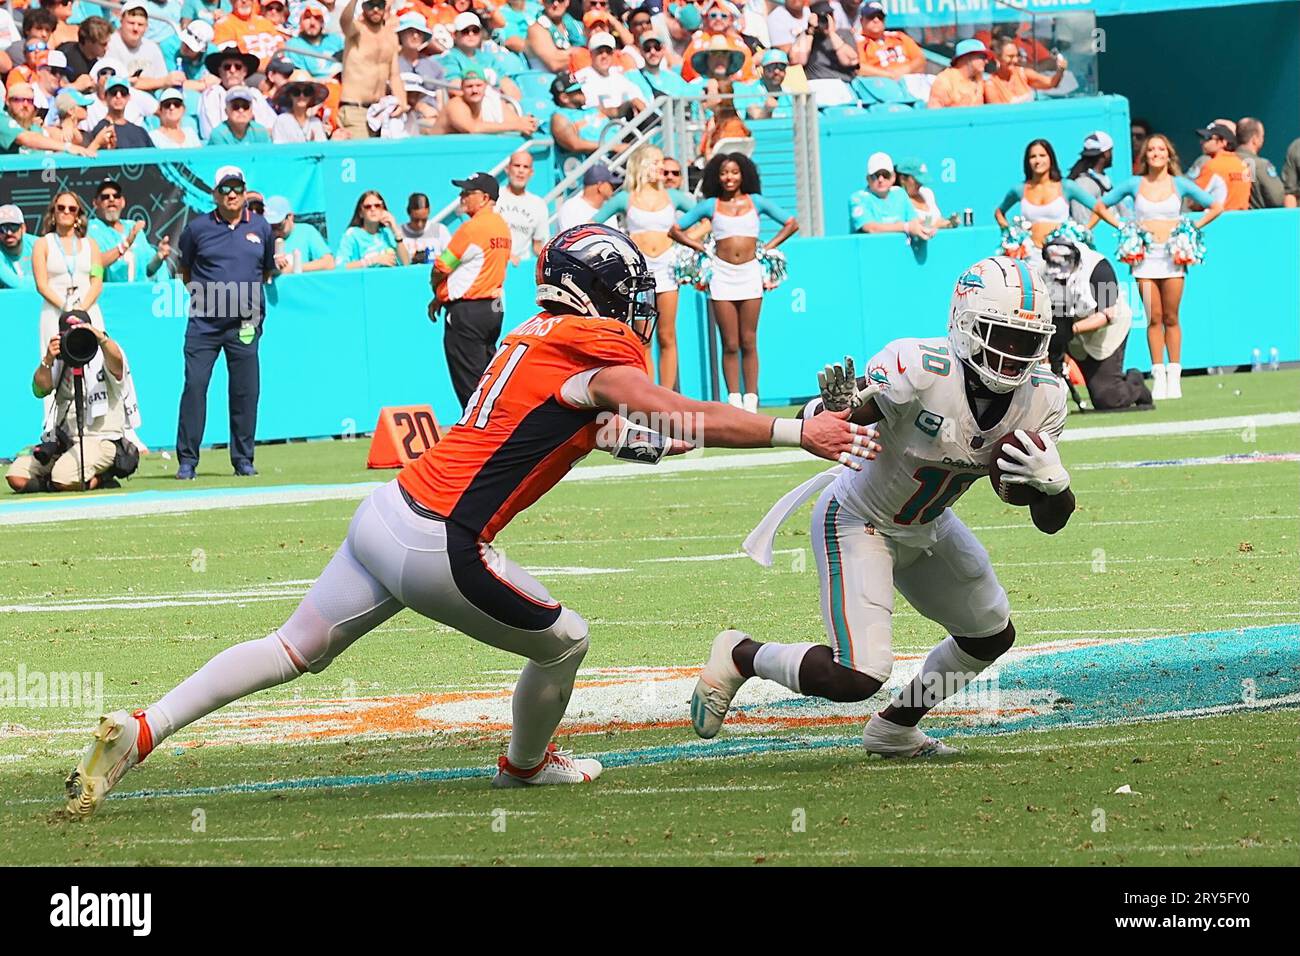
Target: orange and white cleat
<point>558,766</point>
<point>121,741</point>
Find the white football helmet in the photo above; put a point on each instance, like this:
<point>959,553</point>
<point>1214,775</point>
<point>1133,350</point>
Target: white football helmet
<point>1001,321</point>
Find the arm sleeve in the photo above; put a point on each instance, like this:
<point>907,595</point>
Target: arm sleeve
<point>765,205</point>
<point>701,210</point>
<point>1076,193</point>
<point>1189,190</point>
<point>1126,189</point>
<point>1012,197</point>
<point>612,207</point>
<point>682,201</point>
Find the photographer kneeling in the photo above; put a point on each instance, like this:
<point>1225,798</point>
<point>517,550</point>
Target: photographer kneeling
<point>1093,318</point>
<point>81,364</point>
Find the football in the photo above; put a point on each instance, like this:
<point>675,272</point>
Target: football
<point>1019,495</point>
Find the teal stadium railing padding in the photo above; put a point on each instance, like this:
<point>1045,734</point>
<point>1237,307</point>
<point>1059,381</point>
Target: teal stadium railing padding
<point>339,346</point>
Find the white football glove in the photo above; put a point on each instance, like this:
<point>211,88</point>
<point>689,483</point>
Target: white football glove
<point>1040,469</point>
<point>839,387</point>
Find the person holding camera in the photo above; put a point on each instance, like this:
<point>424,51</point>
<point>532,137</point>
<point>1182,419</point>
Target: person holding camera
<point>1092,323</point>
<point>84,443</point>
<point>829,57</point>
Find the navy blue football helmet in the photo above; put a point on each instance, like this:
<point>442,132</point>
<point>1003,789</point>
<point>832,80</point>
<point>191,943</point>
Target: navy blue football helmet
<point>597,271</point>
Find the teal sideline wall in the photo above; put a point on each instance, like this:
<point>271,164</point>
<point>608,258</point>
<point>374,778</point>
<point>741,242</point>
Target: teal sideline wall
<point>340,346</point>
<point>318,177</point>
<point>1178,70</point>
<point>974,154</point>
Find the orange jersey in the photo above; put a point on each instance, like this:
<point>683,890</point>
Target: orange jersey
<point>892,49</point>
<point>1234,172</point>
<point>519,434</point>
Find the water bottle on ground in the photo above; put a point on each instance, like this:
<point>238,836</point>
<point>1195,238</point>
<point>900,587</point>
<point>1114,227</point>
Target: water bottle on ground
<point>1274,359</point>
<point>1256,361</point>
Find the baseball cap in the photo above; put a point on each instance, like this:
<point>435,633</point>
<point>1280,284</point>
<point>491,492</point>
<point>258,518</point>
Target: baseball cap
<point>773,55</point>
<point>414,83</point>
<point>197,35</point>
<point>1218,129</point>
<point>56,60</point>
<point>600,173</point>
<point>69,99</point>
<point>239,93</point>
<point>564,83</point>
<point>10,215</point>
<point>879,161</point>
<point>464,21</point>
<point>106,63</point>
<point>483,182</point>
<point>171,93</point>
<point>130,5</point>
<point>413,21</point>
<point>1097,142</point>
<point>473,73</point>
<point>277,208</point>
<point>227,173</point>
<point>913,167</point>
<point>318,10</point>
<point>967,47</point>
<point>280,64</point>
<point>116,82</point>
<point>601,40</point>
<point>870,9</point>
<point>108,183</point>
<point>267,3</point>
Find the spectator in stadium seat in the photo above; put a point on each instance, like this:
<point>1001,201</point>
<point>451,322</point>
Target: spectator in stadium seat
<point>423,238</point>
<point>277,11</point>
<point>552,35</point>
<point>656,77</point>
<point>141,57</point>
<point>191,53</point>
<point>641,23</point>
<point>786,23</point>
<point>300,100</point>
<point>64,32</point>
<point>606,88</point>
<point>248,30</point>
<point>90,46</point>
<point>171,133</point>
<point>1291,175</point>
<point>38,26</point>
<point>1266,190</point>
<point>912,175</point>
<point>1226,165</point>
<point>829,56</point>
<point>468,54</point>
<point>48,77</point>
<point>1043,196</point>
<point>304,248</point>
<point>575,126</point>
<point>1089,173</point>
<point>602,21</point>
<point>35,56</point>
<point>371,239</point>
<point>313,38</point>
<point>890,54</point>
<point>479,109</point>
<point>125,134</point>
<point>1138,131</point>
<point>232,67</point>
<point>140,105</point>
<point>599,183</point>
<point>766,98</point>
<point>883,206</point>
<point>276,76</point>
<point>721,19</point>
<point>509,29</point>
<point>125,252</point>
<point>524,212</point>
<point>70,110</point>
<point>962,83</point>
<point>15,250</point>
<point>1013,83</point>
<point>370,67</point>
<point>239,129</point>
<point>208,11</point>
<point>413,57</point>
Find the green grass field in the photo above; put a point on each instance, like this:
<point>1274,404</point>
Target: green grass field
<point>382,759</point>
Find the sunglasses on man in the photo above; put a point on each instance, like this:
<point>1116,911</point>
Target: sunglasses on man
<point>9,228</point>
<point>109,196</point>
<point>231,189</point>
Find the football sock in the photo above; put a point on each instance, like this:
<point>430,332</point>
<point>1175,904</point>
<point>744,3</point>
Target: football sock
<point>234,673</point>
<point>946,670</point>
<point>539,701</point>
<point>780,662</point>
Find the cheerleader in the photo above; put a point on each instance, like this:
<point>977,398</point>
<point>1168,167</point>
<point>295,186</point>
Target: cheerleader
<point>1157,193</point>
<point>1044,200</point>
<point>649,210</point>
<point>733,201</point>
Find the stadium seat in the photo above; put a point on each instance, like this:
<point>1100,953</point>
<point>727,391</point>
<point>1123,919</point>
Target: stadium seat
<point>877,89</point>
<point>535,87</point>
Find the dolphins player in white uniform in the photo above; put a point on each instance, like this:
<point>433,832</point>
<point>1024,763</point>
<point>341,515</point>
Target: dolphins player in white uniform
<point>940,406</point>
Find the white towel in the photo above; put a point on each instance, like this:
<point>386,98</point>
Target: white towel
<point>759,543</point>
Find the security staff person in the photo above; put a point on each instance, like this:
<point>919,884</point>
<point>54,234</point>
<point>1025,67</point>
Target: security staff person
<point>225,258</point>
<point>467,279</point>
<point>1087,300</point>
<point>1266,190</point>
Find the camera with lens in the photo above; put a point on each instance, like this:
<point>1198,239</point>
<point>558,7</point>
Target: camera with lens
<point>78,343</point>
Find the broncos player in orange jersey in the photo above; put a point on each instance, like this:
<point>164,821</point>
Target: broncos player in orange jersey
<point>424,540</point>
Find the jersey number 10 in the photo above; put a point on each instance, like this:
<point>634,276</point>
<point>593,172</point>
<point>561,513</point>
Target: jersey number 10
<point>939,489</point>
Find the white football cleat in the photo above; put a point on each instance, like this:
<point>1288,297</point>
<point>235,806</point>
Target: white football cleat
<point>880,736</point>
<point>718,683</point>
<point>558,766</point>
<point>121,741</point>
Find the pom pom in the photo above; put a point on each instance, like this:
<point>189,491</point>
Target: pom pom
<point>1133,242</point>
<point>1186,244</point>
<point>694,268</point>
<point>774,266</point>
<point>1071,231</point>
<point>1016,240</point>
